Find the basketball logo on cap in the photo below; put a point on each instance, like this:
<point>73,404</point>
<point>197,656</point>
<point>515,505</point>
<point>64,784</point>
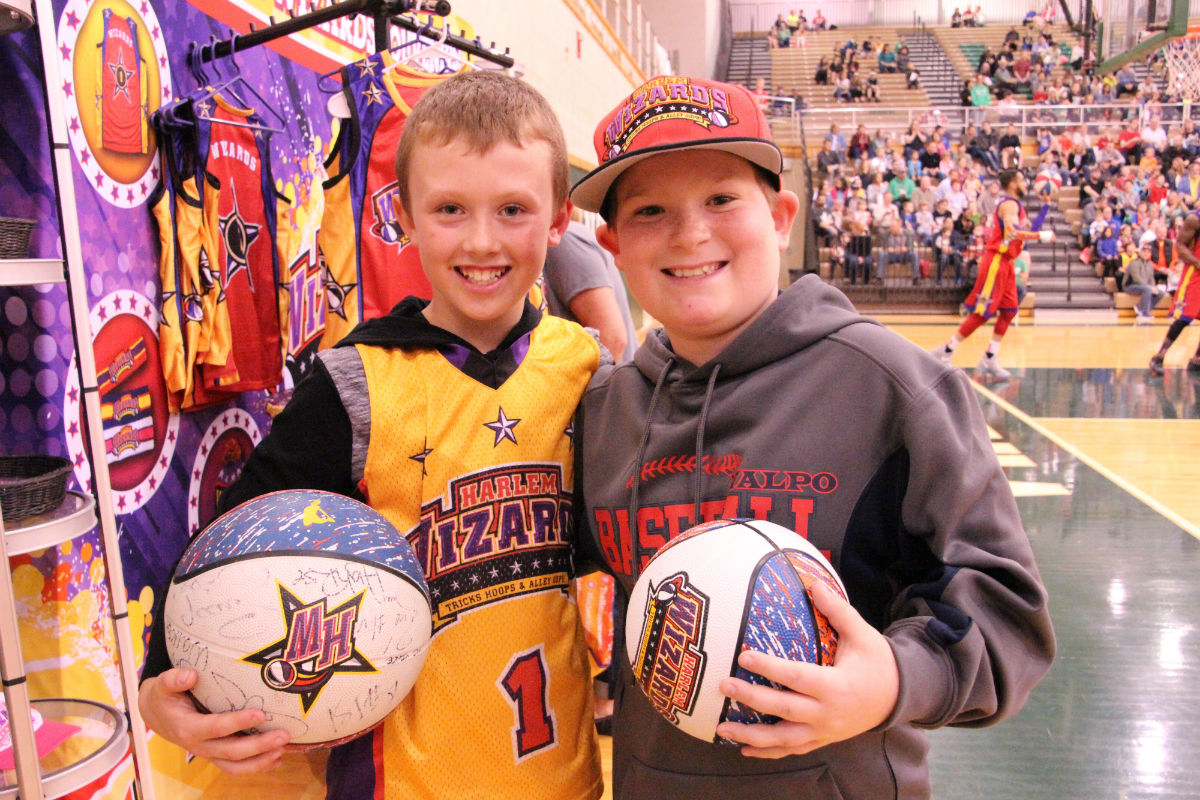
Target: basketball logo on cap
<point>663,99</point>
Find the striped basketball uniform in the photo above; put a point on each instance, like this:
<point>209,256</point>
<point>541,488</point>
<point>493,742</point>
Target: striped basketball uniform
<point>240,208</point>
<point>370,264</point>
<point>996,285</point>
<point>122,89</point>
<point>1186,303</point>
<point>480,479</point>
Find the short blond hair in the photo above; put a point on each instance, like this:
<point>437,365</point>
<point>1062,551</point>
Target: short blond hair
<point>483,108</point>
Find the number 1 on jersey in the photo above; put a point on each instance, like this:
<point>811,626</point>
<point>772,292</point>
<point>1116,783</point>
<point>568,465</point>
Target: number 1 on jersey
<point>525,683</point>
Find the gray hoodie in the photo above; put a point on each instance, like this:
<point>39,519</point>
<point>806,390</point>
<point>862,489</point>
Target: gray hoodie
<point>823,421</point>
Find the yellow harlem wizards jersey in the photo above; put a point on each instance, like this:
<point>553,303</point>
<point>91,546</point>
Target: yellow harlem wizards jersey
<point>480,480</point>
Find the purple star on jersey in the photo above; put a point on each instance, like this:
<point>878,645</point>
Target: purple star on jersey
<point>503,428</point>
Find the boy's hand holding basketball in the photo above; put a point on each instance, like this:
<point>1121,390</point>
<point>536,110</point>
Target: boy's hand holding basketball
<point>168,709</point>
<point>825,704</point>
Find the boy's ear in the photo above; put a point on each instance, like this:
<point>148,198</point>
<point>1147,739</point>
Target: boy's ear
<point>608,240</point>
<point>558,225</point>
<point>787,205</point>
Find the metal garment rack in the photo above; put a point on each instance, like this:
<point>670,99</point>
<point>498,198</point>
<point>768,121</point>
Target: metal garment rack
<point>79,513</point>
<point>384,13</point>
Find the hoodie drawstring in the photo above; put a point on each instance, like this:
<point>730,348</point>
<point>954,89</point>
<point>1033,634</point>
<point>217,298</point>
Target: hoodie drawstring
<point>637,464</point>
<point>708,393</point>
<point>645,443</point>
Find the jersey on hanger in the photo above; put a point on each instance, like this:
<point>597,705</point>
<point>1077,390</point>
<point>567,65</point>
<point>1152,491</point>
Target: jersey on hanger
<point>121,102</point>
<point>240,219</point>
<point>368,261</point>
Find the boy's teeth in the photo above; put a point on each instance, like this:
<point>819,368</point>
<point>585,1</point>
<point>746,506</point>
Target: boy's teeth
<point>694,272</point>
<point>482,277</point>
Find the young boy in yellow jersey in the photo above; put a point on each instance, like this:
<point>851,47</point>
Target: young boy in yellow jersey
<point>436,414</point>
<point>791,407</point>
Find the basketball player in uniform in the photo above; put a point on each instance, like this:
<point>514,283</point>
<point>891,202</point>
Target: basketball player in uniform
<point>1186,305</point>
<point>995,292</point>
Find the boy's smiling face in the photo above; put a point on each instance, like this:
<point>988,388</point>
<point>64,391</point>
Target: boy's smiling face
<point>699,243</point>
<point>482,223</point>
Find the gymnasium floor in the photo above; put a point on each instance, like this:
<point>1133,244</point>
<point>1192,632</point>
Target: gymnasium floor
<point>1105,462</point>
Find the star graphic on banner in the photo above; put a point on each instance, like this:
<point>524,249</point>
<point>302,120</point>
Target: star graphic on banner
<point>66,51</point>
<point>121,76</point>
<point>421,456</point>
<point>503,428</point>
<point>366,68</point>
<point>238,235</point>
<point>373,94</point>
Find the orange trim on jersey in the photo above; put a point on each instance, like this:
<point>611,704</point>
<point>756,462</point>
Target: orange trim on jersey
<point>411,77</point>
<point>1185,281</point>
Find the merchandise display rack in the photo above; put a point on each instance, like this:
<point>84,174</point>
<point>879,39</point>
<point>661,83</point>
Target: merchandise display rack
<point>105,733</point>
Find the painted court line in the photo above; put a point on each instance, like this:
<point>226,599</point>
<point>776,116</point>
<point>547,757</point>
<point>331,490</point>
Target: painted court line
<point>1182,522</point>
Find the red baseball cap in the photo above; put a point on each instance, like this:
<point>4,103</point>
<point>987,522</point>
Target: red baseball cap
<point>676,113</point>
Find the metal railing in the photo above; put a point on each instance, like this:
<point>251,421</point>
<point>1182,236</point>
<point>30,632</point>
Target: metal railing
<point>1027,118</point>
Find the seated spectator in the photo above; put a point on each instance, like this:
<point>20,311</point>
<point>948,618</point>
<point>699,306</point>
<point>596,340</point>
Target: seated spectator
<point>1012,37</point>
<point>860,144</point>
<point>912,77</point>
<point>841,90</point>
<point>1138,277</point>
<point>902,59</point>
<point>924,193</point>
<point>948,248</point>
<point>968,18</point>
<point>898,245</point>
<point>793,21</point>
<point>978,17</point>
<point>876,188</point>
<point>871,89</point>
<point>822,74</point>
<point>883,212</point>
<point>837,256</point>
<point>956,197</point>
<point>1149,159</point>
<point>926,225</point>
<point>1079,161</point>
<point>930,160</point>
<point>1010,148</point>
<point>982,147</point>
<point>1129,142</point>
<point>858,88</point>
<point>836,138</point>
<point>901,186</point>
<point>829,161</point>
<point>1107,252</point>
<point>956,19</point>
<point>858,253</point>
<point>1092,186</point>
<point>886,59</point>
<point>1188,186</point>
<point>981,95</point>
<point>1021,68</point>
<point>819,22</point>
<point>823,221</point>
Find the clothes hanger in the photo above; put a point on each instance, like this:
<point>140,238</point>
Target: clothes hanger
<point>436,48</point>
<point>230,86</point>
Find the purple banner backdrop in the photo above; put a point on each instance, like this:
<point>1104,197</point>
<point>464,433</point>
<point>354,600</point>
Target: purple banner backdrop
<point>166,468</point>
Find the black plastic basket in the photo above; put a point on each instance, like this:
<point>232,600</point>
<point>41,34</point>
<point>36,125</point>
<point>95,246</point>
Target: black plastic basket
<point>14,237</point>
<point>32,485</point>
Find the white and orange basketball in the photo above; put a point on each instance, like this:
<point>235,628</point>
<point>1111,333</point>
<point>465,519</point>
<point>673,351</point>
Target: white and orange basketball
<point>307,604</point>
<point>718,589</point>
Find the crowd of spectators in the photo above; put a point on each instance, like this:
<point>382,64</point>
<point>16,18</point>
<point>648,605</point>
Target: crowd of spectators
<point>919,200</point>
<point>853,69</point>
<point>926,198</point>
<point>788,29</point>
<point>1031,64</point>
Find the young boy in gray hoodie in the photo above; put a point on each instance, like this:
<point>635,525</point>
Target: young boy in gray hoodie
<point>792,407</point>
